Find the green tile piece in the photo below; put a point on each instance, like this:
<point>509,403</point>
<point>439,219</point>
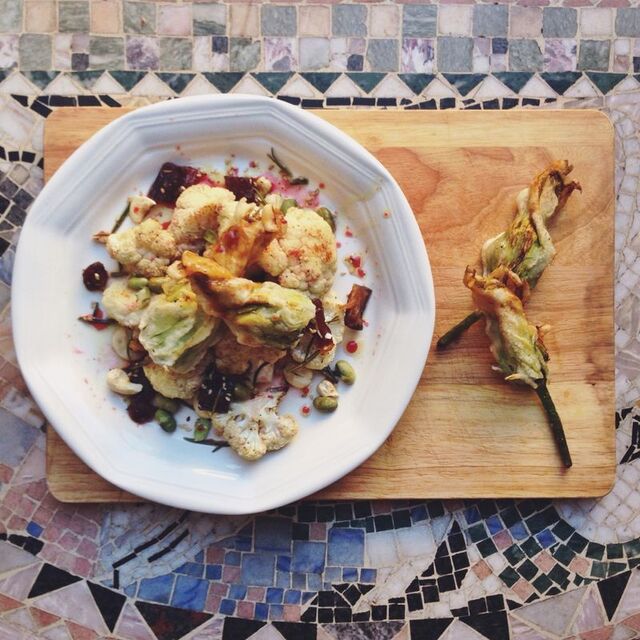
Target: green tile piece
<point>139,17</point>
<point>224,81</point>
<point>321,80</point>
<point>177,81</point>
<point>464,82</point>
<point>273,81</point>
<point>128,79</point>
<point>417,82</point>
<point>34,51</point>
<point>86,78</point>
<point>73,17</point>
<point>605,81</point>
<point>614,551</point>
<point>514,554</point>
<point>562,80</point>
<point>175,53</point>
<point>509,576</point>
<point>599,569</point>
<point>40,78</point>
<point>515,80</point>
<point>367,81</point>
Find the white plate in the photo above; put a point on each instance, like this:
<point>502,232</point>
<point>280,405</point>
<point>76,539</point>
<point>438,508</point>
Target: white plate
<point>64,362</point>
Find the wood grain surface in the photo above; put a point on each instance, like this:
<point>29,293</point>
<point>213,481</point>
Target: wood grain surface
<point>466,433</point>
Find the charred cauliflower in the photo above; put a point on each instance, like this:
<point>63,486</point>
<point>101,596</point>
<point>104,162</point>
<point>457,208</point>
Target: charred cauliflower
<point>172,384</point>
<point>146,249</point>
<point>125,305</point>
<point>254,427</point>
<point>305,258</point>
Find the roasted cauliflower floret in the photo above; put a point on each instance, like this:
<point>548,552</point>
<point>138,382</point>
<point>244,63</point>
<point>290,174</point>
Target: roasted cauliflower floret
<point>125,305</point>
<point>146,249</point>
<point>197,210</point>
<point>235,358</point>
<point>305,258</point>
<point>139,206</point>
<point>254,427</point>
<point>172,384</point>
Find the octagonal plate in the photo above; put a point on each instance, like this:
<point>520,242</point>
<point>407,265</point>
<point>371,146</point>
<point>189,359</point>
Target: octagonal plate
<point>65,362</point>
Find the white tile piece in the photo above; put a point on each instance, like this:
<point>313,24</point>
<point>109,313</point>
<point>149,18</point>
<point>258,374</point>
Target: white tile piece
<point>392,87</point>
<point>12,558</point>
<point>250,86</point>
<point>297,86</point>
<point>415,541</point>
<point>439,88</point>
<point>344,87</point>
<point>63,85</point>
<point>491,88</point>
<point>537,88</point>
<point>582,89</point>
<point>197,87</point>
<point>151,85</point>
<point>132,626</point>
<point>268,632</point>
<point>458,630</point>
<point>380,549</point>
<point>106,85</point>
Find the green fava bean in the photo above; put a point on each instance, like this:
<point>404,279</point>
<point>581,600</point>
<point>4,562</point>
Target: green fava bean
<point>241,392</point>
<point>137,283</point>
<point>327,216</point>
<point>201,429</point>
<point>345,372</point>
<point>326,404</point>
<point>166,421</point>
<point>168,404</point>
<point>287,204</point>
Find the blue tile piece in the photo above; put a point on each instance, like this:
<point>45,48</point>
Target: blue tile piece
<point>276,611</point>
<point>292,596</point>
<point>418,513</point>
<point>191,569</point>
<point>299,581</point>
<point>306,596</point>
<point>333,574</point>
<point>472,515</point>
<point>213,572</point>
<point>346,547</point>
<point>131,590</point>
<point>233,558</point>
<point>273,534</point>
<point>494,524</point>
<point>518,531</point>
<point>283,563</point>
<point>156,589</point>
<point>257,569</point>
<point>546,538</point>
<point>243,543</point>
<point>349,574</point>
<point>190,593</point>
<point>368,575</point>
<point>283,579</point>
<point>199,557</point>
<point>227,607</point>
<point>16,438</point>
<point>34,529</point>
<point>308,557</point>
<point>314,581</point>
<point>274,596</point>
<point>262,611</point>
<point>237,591</point>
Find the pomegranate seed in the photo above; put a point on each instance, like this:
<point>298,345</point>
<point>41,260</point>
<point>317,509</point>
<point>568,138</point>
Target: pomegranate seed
<point>352,346</point>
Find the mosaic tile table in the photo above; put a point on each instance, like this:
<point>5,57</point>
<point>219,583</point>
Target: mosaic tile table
<point>454,570</point>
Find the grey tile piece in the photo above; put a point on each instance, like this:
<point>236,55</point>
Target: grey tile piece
<point>593,55</point>
<point>209,19</point>
<point>419,20</point>
<point>79,61</point>
<point>244,54</point>
<point>139,17</point>
<point>143,52</point>
<point>490,20</point>
<point>382,55</point>
<point>278,20</point>
<point>313,53</point>
<point>175,54</point>
<point>628,21</point>
<point>455,54</point>
<point>73,17</point>
<point>10,16</point>
<point>524,55</point>
<point>559,22</point>
<point>349,20</point>
<point>34,51</point>
<point>106,52</point>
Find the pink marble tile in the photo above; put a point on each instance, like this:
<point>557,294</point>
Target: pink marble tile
<point>16,524</point>
<point>69,541</point>
<point>380,506</point>
<point>12,499</point>
<point>220,589</point>
<point>6,473</point>
<point>215,555</point>
<point>579,565</point>
<point>633,622</point>
<point>8,604</point>
<point>317,531</point>
<point>231,574</point>
<point>481,569</point>
<point>52,533</point>
<point>88,549</point>
<point>256,594</point>
<point>19,584</point>
<point>245,609</point>
<point>50,553</point>
<point>82,567</point>
<point>598,634</point>
<point>418,55</point>
<point>291,612</point>
<point>560,54</point>
<point>281,54</point>
<point>26,507</point>
<point>42,618</point>
<point>37,490</point>
<point>83,527</point>
<point>213,603</point>
<point>78,632</point>
<point>174,20</point>
<point>522,589</point>
<point>66,560</point>
<point>502,540</point>
<point>544,561</point>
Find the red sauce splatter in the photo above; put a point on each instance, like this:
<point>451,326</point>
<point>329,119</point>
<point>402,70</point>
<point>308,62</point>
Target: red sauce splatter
<point>387,214</point>
<point>136,209</point>
<point>230,239</point>
<point>321,185</point>
<point>165,225</point>
<point>338,245</point>
<point>356,261</point>
<point>348,233</point>
<point>305,392</point>
<point>352,346</point>
<point>253,164</point>
<point>306,410</point>
<point>361,273</point>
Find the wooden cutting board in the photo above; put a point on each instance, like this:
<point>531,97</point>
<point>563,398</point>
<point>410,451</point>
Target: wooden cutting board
<point>466,433</point>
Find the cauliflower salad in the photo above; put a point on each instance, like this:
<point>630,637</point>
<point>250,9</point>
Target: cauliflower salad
<point>222,300</point>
